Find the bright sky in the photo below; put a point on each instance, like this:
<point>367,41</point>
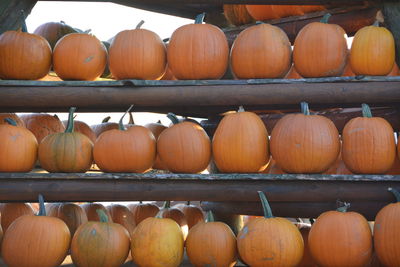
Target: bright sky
<point>105,20</point>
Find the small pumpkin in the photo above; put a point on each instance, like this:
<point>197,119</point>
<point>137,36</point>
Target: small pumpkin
<point>53,31</point>
<point>11,211</point>
<point>156,129</point>
<point>83,128</point>
<point>142,211</point>
<point>12,116</point>
<point>105,125</point>
<point>175,214</point>
<point>66,152</point>
<point>91,211</point>
<point>42,124</point>
<point>237,14</point>
<point>100,244</point>
<point>122,215</point>
<point>193,214</point>
<point>204,243</point>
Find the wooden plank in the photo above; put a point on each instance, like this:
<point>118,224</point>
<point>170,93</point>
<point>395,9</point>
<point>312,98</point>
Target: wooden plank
<point>391,13</point>
<point>10,13</point>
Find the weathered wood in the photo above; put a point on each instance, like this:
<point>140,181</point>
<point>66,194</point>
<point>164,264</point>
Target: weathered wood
<point>10,13</point>
<point>391,12</point>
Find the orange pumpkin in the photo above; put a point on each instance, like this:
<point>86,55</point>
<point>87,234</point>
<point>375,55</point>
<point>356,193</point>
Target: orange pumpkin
<point>100,244</point>
<point>53,31</point>
<point>91,211</point>
<point>184,147</point>
<point>395,70</point>
<point>240,143</point>
<point>19,63</point>
<point>204,243</point>
<point>320,49</point>
<point>18,148</point>
<point>193,214</point>
<point>237,14</point>
<point>137,54</point>
<point>368,144</point>
<point>176,215</point>
<point>11,211</point>
<point>293,74</point>
<point>205,51</point>
<point>42,124</point>
<point>79,56</point>
<point>83,128</point>
<point>142,211</point>
<point>131,121</point>
<point>270,241</point>
<point>304,143</point>
<point>123,216</point>
<point>261,51</point>
<point>340,238</point>
<point>105,125</point>
<point>372,51</point>
<point>36,241</point>
<point>156,129</point>
<point>312,8</point>
<point>306,260</point>
<point>66,152</point>
<point>12,116</point>
<point>267,12</point>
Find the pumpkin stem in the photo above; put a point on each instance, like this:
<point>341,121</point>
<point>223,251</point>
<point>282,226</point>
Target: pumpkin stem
<point>140,24</point>
<point>42,209</point>
<point>259,22</point>
<point>304,108</point>
<point>200,18</point>
<point>343,208</point>
<point>173,118</point>
<point>106,119</point>
<point>159,121</point>
<point>376,23</point>
<point>10,121</point>
<point>188,202</point>
<point>121,124</point>
<point>366,111</point>
<point>395,193</point>
<point>210,216</point>
<point>241,109</point>
<point>325,18</point>
<point>131,121</point>
<point>140,201</point>
<point>102,215</point>
<point>166,40</point>
<point>266,207</point>
<point>70,125</point>
<point>23,23</point>
<point>167,204</point>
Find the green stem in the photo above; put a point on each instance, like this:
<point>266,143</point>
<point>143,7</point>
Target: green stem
<point>42,208</point>
<point>376,23</point>
<point>121,124</point>
<point>166,40</point>
<point>200,18</point>
<point>344,208</point>
<point>131,121</point>
<point>106,119</point>
<point>102,215</point>
<point>159,121</point>
<point>395,193</point>
<point>173,118</point>
<point>23,23</point>
<point>304,108</point>
<point>70,125</point>
<point>259,22</point>
<point>210,216</point>
<point>266,207</point>
<point>140,24</point>
<point>10,121</point>
<point>167,204</point>
<point>366,111</point>
<point>325,18</point>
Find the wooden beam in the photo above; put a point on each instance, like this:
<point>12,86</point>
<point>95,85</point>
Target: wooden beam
<point>10,13</point>
<point>391,13</point>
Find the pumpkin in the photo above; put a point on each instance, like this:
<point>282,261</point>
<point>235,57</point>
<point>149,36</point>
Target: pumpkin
<point>12,116</point>
<point>36,241</point>
<point>42,124</point>
<point>261,51</point>
<point>168,75</point>
<point>306,260</point>
<point>386,234</point>
<point>176,215</point>
<point>240,143</point>
<point>193,214</point>
<point>320,49</point>
<point>91,211</point>
<point>19,63</point>
<point>72,214</point>
<point>311,8</point>
<point>184,147</point>
<point>293,74</point>
<point>372,51</point>
<point>18,148</point>
<point>83,128</point>
<point>156,129</point>
<point>395,70</point>
<point>267,12</point>
<point>237,15</point>
<point>137,54</point>
<point>125,150</point>
<point>11,211</point>
<point>163,241</point>
<point>205,51</point>
<point>53,31</point>
<point>395,169</point>
<point>142,211</point>
<point>304,143</point>
<point>270,241</point>
<point>123,216</point>
<point>347,69</point>
<point>66,152</point>
<point>79,56</point>
<point>105,125</point>
<point>106,73</point>
<point>204,243</point>
<point>368,144</point>
<point>340,238</point>
<point>100,244</point>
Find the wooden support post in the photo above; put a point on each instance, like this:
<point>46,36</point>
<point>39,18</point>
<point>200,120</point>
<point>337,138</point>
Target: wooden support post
<point>10,18</point>
<point>391,11</point>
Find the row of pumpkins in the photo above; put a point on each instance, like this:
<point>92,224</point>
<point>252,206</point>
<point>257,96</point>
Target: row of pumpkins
<point>260,51</point>
<point>103,237</point>
<point>299,143</point>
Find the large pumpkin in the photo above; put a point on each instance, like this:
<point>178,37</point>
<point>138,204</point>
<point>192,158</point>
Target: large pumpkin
<point>368,144</point>
<point>320,50</point>
<point>270,241</point>
<point>105,125</point>
<point>91,211</point>
<point>100,244</point>
<point>156,129</point>
<point>237,14</point>
<point>19,63</point>
<point>42,124</point>
<point>18,148</point>
<point>240,143</point>
<point>372,51</point>
<point>175,214</point>
<point>340,238</point>
<point>83,128</point>
<point>137,54</point>
<point>66,152</point>
<point>304,143</point>
<point>36,241</point>
<point>53,31</point>
<point>122,215</point>
<point>198,51</point>
<point>184,147</point>
<point>11,211</point>
<point>143,211</point>
<point>211,244</point>
<point>13,116</point>
<point>193,214</point>
<point>261,51</point>
<point>79,56</point>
